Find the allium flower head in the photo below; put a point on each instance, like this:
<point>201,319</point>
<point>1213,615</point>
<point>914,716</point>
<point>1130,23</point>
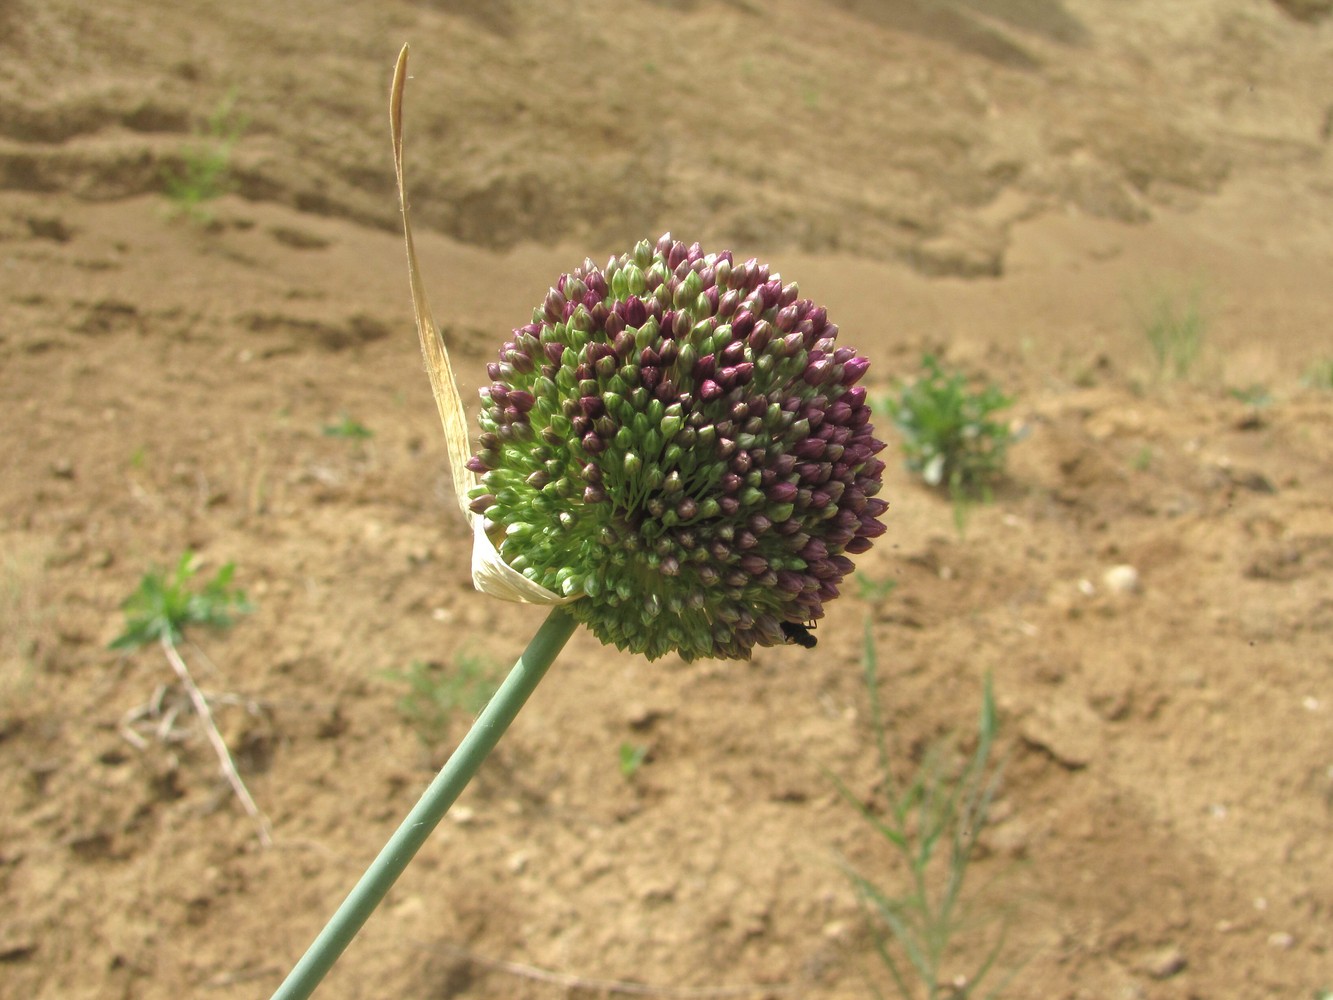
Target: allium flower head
<point>677,437</point>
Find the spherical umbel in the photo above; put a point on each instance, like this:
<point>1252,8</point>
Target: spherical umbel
<point>677,437</point>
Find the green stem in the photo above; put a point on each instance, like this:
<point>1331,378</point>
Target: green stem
<point>430,809</point>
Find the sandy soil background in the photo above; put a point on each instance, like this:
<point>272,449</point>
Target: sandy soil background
<point>1011,183</point>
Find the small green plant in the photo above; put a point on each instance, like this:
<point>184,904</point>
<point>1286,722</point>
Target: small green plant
<point>1174,329</point>
<point>1320,375</point>
<point>632,756</point>
<point>949,436</point>
<point>932,826</point>
<point>202,173</point>
<point>1255,395</point>
<point>436,691</point>
<point>164,605</point>
<point>1142,460</point>
<point>348,429</point>
<point>874,591</point>
<point>159,611</point>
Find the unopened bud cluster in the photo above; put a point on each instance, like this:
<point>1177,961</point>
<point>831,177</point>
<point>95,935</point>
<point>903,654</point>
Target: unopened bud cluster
<point>678,438</point>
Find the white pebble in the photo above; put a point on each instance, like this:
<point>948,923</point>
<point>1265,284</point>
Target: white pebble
<point>1122,579</point>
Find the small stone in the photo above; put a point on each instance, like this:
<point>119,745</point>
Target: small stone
<point>642,717</point>
<point>1163,964</point>
<point>62,468</point>
<point>1282,940</point>
<point>1122,579</point>
<point>517,862</point>
<point>1066,729</point>
<point>836,930</point>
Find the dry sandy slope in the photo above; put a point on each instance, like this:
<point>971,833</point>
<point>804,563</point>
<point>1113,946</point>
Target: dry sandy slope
<point>1167,813</point>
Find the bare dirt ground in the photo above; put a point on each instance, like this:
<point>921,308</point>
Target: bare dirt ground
<point>1008,183</point>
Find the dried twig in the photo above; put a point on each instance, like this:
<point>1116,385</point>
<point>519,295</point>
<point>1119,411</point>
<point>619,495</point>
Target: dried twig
<point>214,737</point>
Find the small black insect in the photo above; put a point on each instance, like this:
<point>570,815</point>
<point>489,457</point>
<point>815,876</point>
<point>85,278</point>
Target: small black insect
<point>799,634</point>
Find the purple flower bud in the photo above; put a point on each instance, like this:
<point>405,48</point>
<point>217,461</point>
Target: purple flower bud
<point>553,308</point>
<point>870,528</point>
<point>838,413</point>
<point>754,564</point>
<point>812,473</point>
<point>809,448</point>
<point>817,372</point>
<point>854,369</point>
<point>632,311</point>
<point>823,569</point>
<point>742,324</point>
<point>814,550</point>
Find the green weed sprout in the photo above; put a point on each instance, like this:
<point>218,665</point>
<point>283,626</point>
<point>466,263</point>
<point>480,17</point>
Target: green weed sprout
<point>1174,329</point>
<point>348,429</point>
<point>949,436</point>
<point>164,605</point>
<point>675,452</point>
<point>932,826</point>
<point>872,590</point>
<point>159,611</point>
<point>632,756</point>
<point>1255,395</point>
<point>435,692</point>
<point>202,173</point>
<point>1319,375</point>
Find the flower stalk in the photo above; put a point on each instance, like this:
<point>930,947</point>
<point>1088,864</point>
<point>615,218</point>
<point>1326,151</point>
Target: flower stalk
<point>431,808</point>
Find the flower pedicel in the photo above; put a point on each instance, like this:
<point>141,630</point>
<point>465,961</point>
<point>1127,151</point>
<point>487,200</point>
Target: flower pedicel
<point>678,438</point>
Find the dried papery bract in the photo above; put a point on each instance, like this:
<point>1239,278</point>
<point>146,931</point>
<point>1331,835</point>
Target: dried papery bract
<point>490,574</point>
